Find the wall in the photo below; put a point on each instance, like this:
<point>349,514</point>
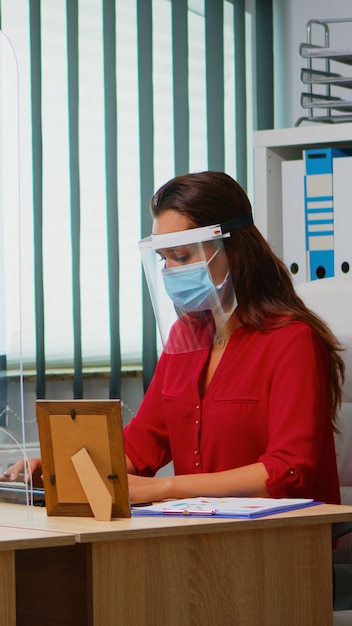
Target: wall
<point>290,21</point>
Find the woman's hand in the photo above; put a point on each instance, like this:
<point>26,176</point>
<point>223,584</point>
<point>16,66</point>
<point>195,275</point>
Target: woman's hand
<point>16,472</point>
<point>144,489</point>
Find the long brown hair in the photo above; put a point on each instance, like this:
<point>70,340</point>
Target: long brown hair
<point>264,289</point>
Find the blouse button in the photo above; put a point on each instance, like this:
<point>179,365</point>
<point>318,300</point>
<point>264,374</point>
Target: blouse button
<point>196,452</point>
<point>197,464</point>
<point>197,421</point>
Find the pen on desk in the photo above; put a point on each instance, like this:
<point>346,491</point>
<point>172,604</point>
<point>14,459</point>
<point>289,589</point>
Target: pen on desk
<point>201,512</point>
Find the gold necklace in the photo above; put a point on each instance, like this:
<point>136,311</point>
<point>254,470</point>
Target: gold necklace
<point>220,342</point>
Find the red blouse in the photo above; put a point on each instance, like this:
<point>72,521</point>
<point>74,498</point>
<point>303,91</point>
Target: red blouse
<point>268,401</point>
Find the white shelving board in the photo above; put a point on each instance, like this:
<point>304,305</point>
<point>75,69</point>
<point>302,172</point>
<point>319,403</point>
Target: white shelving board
<point>271,147</point>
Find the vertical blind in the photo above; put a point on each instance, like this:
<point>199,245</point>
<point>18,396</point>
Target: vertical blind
<point>115,98</point>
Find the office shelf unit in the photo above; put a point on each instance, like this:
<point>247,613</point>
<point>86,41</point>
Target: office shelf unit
<point>323,98</point>
<point>271,148</point>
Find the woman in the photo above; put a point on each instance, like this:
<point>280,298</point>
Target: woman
<point>252,412</point>
<point>245,395</point>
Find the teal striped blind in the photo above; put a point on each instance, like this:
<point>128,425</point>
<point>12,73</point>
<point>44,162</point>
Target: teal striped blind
<point>116,97</point>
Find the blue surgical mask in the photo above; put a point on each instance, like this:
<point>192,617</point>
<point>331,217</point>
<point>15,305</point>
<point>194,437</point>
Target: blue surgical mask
<point>190,286</point>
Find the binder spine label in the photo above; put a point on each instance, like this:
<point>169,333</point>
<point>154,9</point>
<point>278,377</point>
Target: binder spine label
<point>319,211</point>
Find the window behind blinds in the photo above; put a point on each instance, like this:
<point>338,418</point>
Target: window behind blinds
<point>180,126</point>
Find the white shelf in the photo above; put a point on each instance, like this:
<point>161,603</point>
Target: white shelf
<point>271,147</point>
<point>316,134</point>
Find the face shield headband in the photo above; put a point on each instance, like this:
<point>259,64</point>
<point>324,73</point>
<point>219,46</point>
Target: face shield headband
<point>190,284</point>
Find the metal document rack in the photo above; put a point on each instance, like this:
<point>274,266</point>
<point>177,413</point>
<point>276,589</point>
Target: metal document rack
<point>327,97</point>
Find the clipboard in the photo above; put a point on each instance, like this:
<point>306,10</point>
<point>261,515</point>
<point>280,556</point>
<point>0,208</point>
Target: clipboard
<point>226,507</point>
<point>83,458</point>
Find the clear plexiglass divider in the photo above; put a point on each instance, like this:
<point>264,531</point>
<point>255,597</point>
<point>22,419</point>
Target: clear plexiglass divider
<point>12,420</point>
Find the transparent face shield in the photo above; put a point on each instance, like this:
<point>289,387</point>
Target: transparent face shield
<point>190,285</point>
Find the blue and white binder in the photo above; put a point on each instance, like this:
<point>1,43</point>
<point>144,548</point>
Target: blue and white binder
<point>319,210</point>
<point>343,216</point>
<point>293,220</point>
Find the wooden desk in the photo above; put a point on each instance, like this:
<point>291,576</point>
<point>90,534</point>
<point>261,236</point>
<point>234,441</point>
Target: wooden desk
<point>273,571</point>
<point>12,541</point>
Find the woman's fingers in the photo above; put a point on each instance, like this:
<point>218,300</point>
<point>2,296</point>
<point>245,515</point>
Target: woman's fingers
<point>14,473</point>
<point>17,473</point>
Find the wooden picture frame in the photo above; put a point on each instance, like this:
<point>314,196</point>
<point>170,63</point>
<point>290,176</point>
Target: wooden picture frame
<point>83,458</point>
